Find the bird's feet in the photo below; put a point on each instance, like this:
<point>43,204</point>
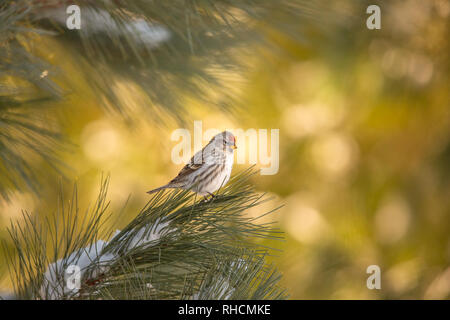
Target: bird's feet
<point>209,197</point>
<point>212,195</point>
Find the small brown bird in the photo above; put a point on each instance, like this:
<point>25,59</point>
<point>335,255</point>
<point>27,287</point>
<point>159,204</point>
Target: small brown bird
<point>209,169</point>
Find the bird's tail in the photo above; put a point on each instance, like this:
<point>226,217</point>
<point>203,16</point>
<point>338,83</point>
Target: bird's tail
<point>167,186</point>
<point>156,190</point>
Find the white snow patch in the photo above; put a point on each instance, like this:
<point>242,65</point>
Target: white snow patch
<point>92,258</point>
<point>148,33</point>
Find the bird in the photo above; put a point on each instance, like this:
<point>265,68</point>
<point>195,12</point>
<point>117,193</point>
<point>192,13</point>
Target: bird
<point>209,169</point>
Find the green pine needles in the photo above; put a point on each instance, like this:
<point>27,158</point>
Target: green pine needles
<point>178,247</point>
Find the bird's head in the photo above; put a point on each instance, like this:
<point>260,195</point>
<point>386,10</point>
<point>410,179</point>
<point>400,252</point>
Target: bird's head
<point>225,140</point>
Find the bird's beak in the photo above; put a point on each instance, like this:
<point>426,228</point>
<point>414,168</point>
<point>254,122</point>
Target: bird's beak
<point>233,146</point>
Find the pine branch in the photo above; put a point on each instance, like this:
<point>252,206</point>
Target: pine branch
<point>178,247</point>
<point>25,86</point>
<point>173,50</point>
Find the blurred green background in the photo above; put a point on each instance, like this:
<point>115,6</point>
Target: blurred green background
<point>364,145</point>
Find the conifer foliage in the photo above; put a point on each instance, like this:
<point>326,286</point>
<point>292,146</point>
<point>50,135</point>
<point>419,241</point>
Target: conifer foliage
<point>177,247</point>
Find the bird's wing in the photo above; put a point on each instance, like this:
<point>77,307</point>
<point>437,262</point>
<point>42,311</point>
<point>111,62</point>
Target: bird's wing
<point>196,162</point>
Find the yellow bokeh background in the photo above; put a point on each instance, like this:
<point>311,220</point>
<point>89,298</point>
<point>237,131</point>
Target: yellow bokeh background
<point>364,152</point>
